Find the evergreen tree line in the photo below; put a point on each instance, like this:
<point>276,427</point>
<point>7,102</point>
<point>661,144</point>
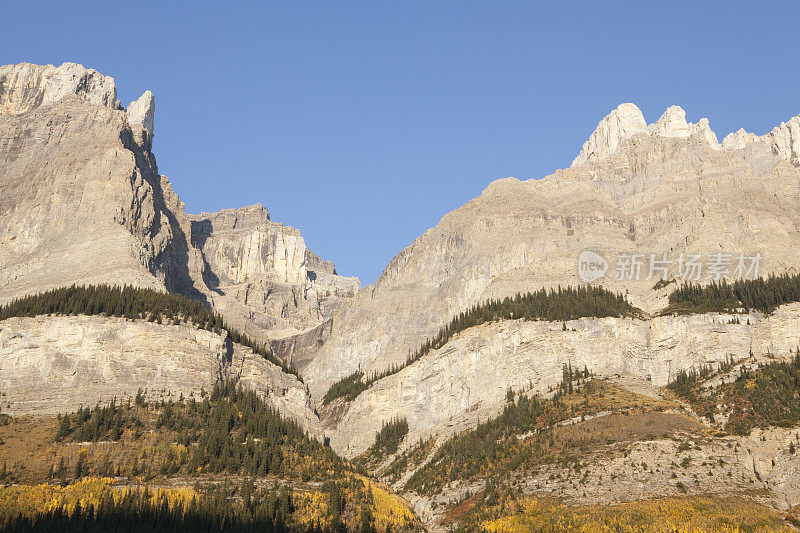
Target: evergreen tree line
<point>361,501</point>
<point>232,430</point>
<point>138,511</point>
<point>561,304</point>
<point>762,294</point>
<point>388,439</point>
<point>101,423</point>
<point>133,303</point>
<point>492,446</point>
<point>771,395</point>
<point>242,434</point>
<point>349,387</point>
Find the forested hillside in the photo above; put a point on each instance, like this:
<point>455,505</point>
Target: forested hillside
<point>553,305</point>
<point>133,303</point>
<point>760,397</point>
<point>252,470</point>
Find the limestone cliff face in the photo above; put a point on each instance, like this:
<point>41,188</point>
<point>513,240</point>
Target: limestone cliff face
<point>665,190</point>
<point>783,140</point>
<point>466,380</point>
<point>26,86</point>
<point>82,201</point>
<point>262,271</point>
<point>623,122</point>
<point>52,365</point>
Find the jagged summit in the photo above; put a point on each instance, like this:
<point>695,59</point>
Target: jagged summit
<point>623,122</point>
<point>26,86</point>
<point>673,124</point>
<point>141,112</point>
<point>783,140</point>
<point>627,120</point>
<point>82,201</point>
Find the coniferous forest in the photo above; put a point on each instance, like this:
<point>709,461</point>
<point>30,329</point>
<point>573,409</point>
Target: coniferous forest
<point>232,431</point>
<point>765,396</point>
<point>133,303</point>
<point>232,435</point>
<point>559,304</point>
<point>762,294</point>
<point>140,511</point>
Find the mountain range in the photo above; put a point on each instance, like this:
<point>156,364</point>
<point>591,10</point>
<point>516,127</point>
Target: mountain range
<point>648,207</point>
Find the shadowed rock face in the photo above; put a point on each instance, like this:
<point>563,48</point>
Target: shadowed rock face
<point>262,275</point>
<point>82,201</point>
<point>665,188</point>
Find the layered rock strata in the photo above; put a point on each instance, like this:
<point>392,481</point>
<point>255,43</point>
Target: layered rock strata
<point>82,201</point>
<point>658,192</point>
<point>466,380</point>
<point>51,365</point>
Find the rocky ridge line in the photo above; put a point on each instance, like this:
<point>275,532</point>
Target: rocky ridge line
<point>627,120</point>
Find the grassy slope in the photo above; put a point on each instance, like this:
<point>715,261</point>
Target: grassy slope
<point>528,434</point>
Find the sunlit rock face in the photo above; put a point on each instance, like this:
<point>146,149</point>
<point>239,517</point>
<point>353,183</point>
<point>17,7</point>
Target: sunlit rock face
<point>256,266</point>
<point>25,86</point>
<point>465,381</point>
<point>52,365</point>
<point>667,188</point>
<point>82,201</point>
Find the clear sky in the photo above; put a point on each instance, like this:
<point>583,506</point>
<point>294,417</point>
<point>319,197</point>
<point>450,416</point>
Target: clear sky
<point>362,123</point>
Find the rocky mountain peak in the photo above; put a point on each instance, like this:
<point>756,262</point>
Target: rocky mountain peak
<point>141,112</point>
<point>784,140</point>
<point>240,218</point>
<point>627,120</point>
<point>26,86</point>
<point>673,124</point>
<point>739,139</point>
<point>623,122</point>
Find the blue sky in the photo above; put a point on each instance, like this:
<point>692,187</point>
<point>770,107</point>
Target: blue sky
<point>362,123</point>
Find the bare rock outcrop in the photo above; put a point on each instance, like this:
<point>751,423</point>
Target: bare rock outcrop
<point>739,139</point>
<point>51,365</point>
<point>82,202</point>
<point>26,86</point>
<point>622,123</point>
<point>673,124</point>
<point>627,121</point>
<point>784,140</point>
<point>262,276</point>
<point>653,195</point>
<point>466,380</point>
<point>141,112</point>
